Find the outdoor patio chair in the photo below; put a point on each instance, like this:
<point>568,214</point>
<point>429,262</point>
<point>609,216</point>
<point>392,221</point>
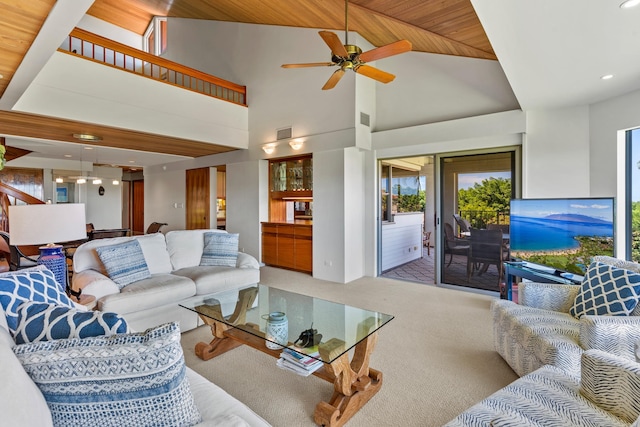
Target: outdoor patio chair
<point>452,244</point>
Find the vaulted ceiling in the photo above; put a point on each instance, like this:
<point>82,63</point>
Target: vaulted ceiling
<point>435,26</point>
<point>553,53</point>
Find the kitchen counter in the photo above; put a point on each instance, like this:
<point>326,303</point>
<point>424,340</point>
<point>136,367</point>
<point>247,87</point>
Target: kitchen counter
<point>307,222</point>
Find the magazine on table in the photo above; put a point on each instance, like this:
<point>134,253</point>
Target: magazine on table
<point>301,364</point>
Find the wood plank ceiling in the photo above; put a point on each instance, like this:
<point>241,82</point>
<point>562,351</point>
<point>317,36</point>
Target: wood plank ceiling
<point>449,27</point>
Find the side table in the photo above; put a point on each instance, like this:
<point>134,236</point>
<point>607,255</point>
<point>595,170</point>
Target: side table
<point>536,273</point>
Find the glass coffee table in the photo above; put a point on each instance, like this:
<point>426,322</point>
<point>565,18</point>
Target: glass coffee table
<point>343,328</point>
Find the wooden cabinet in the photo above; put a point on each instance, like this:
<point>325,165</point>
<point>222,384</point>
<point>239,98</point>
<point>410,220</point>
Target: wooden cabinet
<point>288,246</point>
<point>221,189</point>
<point>291,177</point>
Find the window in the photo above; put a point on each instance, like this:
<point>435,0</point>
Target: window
<point>633,194</point>
<point>155,38</point>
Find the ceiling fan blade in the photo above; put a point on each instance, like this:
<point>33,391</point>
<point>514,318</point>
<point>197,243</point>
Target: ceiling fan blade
<point>385,51</point>
<point>374,73</point>
<point>309,64</point>
<point>333,41</point>
<point>333,80</point>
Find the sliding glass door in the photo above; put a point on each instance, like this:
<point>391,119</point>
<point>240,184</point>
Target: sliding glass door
<point>475,192</point>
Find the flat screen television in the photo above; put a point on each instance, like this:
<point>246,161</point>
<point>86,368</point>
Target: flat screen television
<point>562,233</point>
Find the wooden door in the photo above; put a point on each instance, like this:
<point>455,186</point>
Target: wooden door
<point>198,199</point>
<point>137,208</point>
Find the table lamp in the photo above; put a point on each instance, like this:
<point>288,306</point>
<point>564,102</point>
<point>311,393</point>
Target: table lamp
<point>48,224</point>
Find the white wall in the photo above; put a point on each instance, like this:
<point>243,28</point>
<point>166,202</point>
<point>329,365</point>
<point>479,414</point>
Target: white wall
<point>252,55</point>
<point>74,88</point>
<point>433,88</point>
<point>606,119</point>
<point>329,222</point>
<point>103,211</point>
<point>165,197</point>
<point>354,213</point>
<point>245,206</point>
<point>556,153</point>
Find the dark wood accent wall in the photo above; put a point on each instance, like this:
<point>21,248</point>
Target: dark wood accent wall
<point>30,181</point>
<point>198,196</point>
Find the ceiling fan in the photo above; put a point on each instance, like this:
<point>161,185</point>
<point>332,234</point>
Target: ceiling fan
<point>349,56</point>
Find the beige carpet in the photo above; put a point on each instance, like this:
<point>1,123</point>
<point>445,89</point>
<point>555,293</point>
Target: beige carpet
<point>436,356</point>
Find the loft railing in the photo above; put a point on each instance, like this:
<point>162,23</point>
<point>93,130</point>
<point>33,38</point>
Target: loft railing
<point>99,49</point>
<point>12,196</point>
<point>480,219</point>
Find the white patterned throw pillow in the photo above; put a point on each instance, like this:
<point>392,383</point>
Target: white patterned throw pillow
<point>607,290</point>
<point>122,380</point>
<point>45,322</point>
<point>124,262</point>
<point>220,249</point>
<point>31,284</point>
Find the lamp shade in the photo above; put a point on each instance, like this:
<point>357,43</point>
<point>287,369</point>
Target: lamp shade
<point>43,224</point>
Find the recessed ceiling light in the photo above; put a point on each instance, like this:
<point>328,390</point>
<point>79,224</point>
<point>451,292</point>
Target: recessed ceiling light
<point>629,4</point>
<point>608,76</point>
<point>87,137</point>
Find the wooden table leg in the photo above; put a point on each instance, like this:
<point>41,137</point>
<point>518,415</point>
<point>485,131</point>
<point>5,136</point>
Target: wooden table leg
<point>354,382</point>
<point>214,318</point>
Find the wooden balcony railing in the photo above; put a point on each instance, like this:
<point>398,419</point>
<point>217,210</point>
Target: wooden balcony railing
<point>99,49</point>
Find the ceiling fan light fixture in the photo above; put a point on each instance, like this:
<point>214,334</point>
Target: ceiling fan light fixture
<point>628,4</point>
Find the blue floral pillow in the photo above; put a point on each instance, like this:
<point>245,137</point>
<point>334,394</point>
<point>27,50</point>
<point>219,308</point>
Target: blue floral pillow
<point>220,249</point>
<point>134,379</point>
<point>32,284</point>
<point>607,290</point>
<point>124,262</point>
<point>39,321</point>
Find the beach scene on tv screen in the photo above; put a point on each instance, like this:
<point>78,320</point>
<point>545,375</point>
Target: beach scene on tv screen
<point>561,233</point>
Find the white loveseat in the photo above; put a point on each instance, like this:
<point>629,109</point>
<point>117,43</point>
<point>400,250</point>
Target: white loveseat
<point>176,276</point>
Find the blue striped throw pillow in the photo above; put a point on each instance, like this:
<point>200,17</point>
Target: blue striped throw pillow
<point>123,380</point>
<point>220,249</point>
<point>124,262</point>
<point>39,321</point>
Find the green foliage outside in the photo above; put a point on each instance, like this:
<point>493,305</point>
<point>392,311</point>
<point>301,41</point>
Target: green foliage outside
<point>635,231</point>
<point>411,202</point>
<point>485,202</point>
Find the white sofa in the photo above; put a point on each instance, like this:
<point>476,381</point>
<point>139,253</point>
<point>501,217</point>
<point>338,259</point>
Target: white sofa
<point>176,276</point>
<point>23,404</point>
